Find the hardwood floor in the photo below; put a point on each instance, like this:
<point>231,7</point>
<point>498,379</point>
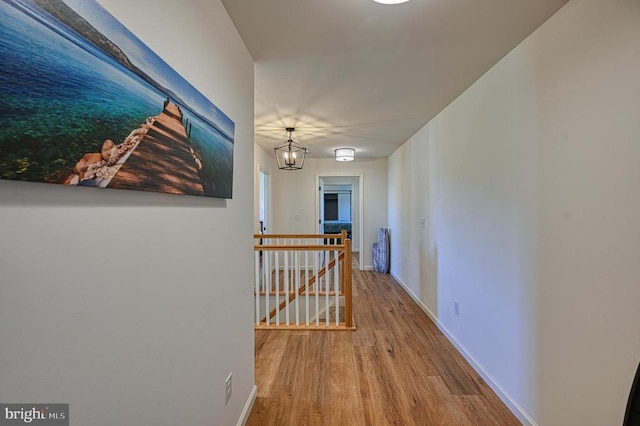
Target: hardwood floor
<point>396,369</point>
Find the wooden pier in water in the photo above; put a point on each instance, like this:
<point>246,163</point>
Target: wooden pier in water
<point>164,160</point>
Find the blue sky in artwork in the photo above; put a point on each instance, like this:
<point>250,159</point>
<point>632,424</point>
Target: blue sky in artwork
<point>149,62</point>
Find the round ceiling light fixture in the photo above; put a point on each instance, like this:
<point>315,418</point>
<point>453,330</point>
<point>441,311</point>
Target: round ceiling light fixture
<point>391,1</point>
<point>345,154</point>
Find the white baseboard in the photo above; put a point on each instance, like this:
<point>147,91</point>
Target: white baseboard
<point>366,268</point>
<point>244,416</point>
<point>504,396</point>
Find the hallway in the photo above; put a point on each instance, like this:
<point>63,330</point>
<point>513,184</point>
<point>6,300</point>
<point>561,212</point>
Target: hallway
<point>396,368</point>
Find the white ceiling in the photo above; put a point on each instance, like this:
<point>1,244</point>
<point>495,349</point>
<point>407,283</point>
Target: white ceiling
<point>355,73</point>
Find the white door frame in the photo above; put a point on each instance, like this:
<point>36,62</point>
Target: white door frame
<point>360,201</point>
<point>320,203</point>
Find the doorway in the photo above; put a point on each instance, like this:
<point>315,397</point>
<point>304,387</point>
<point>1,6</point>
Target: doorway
<point>339,206</point>
<point>263,209</point>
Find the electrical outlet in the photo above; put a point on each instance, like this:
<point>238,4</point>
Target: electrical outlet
<point>227,389</point>
<point>456,307</point>
<point>422,222</point>
<point>297,216</point>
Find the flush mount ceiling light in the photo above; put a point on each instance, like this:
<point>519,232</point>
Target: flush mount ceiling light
<point>391,1</point>
<point>345,154</point>
<point>290,155</point>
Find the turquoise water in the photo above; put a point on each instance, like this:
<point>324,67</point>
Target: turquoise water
<point>216,153</point>
<point>60,97</point>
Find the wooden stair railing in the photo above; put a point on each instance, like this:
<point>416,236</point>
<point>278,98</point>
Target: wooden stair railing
<point>296,287</point>
<point>302,289</point>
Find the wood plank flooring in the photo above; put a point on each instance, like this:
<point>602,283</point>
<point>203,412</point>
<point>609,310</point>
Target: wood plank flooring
<point>396,369</point>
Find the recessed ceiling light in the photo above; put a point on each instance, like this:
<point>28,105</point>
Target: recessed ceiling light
<point>391,1</point>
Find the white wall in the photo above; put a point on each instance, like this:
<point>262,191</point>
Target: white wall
<point>296,192</point>
<point>131,306</point>
<point>529,186</point>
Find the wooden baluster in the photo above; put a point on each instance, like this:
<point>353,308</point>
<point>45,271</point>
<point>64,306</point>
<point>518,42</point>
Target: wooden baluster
<point>348,318</point>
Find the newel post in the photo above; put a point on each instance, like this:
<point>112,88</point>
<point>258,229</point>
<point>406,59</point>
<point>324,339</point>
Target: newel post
<point>348,314</point>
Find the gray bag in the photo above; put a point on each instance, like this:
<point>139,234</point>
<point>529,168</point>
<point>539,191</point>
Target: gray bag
<point>381,252</point>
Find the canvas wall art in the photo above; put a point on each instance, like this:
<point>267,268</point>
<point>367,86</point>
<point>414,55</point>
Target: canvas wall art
<point>84,102</point>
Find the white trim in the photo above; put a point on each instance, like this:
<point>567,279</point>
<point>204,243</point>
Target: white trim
<point>244,416</point>
<point>504,396</point>
<point>366,268</point>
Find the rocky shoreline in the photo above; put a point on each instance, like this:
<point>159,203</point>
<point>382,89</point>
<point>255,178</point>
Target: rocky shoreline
<point>98,168</point>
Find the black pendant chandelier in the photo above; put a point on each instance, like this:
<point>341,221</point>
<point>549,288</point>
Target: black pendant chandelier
<point>290,155</point>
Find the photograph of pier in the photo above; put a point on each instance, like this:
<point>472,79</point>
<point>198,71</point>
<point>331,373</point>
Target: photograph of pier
<point>84,102</point>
